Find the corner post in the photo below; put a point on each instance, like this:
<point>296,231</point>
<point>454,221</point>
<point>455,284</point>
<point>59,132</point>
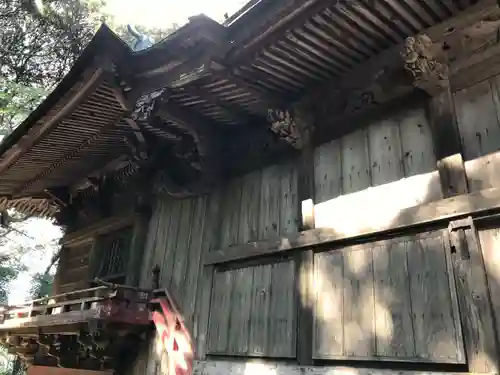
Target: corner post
<point>304,122</point>
<point>474,302</point>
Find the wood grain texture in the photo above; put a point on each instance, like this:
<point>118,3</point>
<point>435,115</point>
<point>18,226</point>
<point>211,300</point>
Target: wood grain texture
<point>478,113</point>
<point>239,310</point>
<point>220,309</point>
<point>359,303</point>
<point>269,202</point>
<point>376,172</point>
<point>168,242</point>
<point>194,267</point>
<point>490,241</point>
<point>328,171</point>
<point>180,257</point>
<point>393,311</point>
<point>435,327</point>
<point>282,319</point>
<point>355,162</point>
<point>387,300</point>
<point>329,305</point>
<point>477,315</point>
<point>250,208</point>
<point>259,316</point>
<point>476,203</point>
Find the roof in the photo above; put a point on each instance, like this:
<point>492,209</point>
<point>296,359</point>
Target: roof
<point>226,76</point>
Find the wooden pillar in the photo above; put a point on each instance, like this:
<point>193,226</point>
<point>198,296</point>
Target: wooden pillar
<point>305,260</point>
<point>474,301</point>
<point>447,144</point>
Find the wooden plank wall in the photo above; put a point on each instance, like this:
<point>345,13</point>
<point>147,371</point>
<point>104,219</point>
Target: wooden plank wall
<point>260,205</point>
<point>478,117</point>
<point>388,300</point>
<point>367,177</point>
<point>253,311</point>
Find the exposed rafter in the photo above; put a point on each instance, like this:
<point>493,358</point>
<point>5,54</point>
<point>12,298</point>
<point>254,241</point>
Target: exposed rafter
<point>83,89</point>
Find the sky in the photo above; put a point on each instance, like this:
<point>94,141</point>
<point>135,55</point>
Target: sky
<point>161,13</point>
<point>148,13</point>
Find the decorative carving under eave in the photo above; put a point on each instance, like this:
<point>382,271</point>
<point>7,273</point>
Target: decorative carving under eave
<point>147,104</point>
<point>421,59</point>
<point>284,126</point>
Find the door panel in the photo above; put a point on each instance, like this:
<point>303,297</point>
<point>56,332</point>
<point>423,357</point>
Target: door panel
<point>389,300</point>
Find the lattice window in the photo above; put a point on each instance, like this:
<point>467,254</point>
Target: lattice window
<point>114,250</point>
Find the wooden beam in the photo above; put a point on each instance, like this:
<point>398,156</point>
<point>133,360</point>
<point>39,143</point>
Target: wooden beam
<point>249,366</point>
<point>84,88</point>
<point>99,228</point>
<point>189,70</point>
<point>447,145</point>
<point>477,203</point>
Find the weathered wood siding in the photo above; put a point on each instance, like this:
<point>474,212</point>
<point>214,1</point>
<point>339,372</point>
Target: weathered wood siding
<point>367,177</point>
<point>489,239</point>
<point>253,311</point>
<point>388,300</point>
<point>478,117</point>
<point>259,205</point>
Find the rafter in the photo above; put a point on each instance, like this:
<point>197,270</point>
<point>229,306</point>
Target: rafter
<point>84,88</point>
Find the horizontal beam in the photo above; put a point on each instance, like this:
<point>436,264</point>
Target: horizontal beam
<point>99,228</point>
<point>269,368</point>
<point>463,205</point>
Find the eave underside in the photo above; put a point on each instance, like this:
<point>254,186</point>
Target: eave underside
<point>226,80</point>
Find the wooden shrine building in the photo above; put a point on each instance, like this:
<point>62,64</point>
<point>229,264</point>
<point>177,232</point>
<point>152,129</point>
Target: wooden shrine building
<point>315,182</point>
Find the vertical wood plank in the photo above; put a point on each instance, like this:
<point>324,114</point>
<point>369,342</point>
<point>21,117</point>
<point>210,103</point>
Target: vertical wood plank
<point>259,317</point>
<point>288,201</point>
<point>490,240</point>
<point>328,171</point>
<point>416,143</point>
<point>385,152</point>
<point>169,243</point>
<point>147,265</point>
<point>329,311</point>
<point>220,309</point>
<point>205,279</point>
<point>393,315</point>
<point>359,307</point>
<point>480,342</point>
<point>433,318</point>
<point>239,312</point>
<point>137,250</point>
<point>181,251</point>
<point>269,202</point>
<point>164,219</point>
<point>355,162</point>
<point>231,213</point>
<point>477,120</point>
<point>194,267</point>
<point>282,334</point>
<point>250,205</point>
